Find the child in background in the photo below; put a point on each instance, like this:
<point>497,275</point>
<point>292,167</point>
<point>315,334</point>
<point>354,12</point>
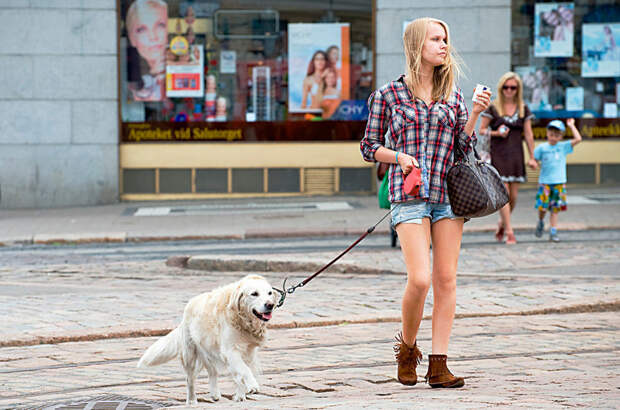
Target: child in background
<point>552,179</point>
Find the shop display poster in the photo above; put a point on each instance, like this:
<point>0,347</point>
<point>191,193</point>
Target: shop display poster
<point>351,110</point>
<point>318,76</point>
<point>184,74</point>
<point>553,29</point>
<point>610,110</point>
<point>146,27</point>
<point>536,87</point>
<point>600,50</point>
<point>199,9</point>
<point>574,98</point>
<point>228,62</point>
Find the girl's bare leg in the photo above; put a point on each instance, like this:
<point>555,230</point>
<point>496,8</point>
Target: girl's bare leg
<point>446,236</point>
<point>415,243</point>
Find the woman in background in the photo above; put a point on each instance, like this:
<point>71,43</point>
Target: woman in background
<point>510,121</point>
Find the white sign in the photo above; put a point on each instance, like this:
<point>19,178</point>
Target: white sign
<point>610,110</point>
<point>228,62</point>
<point>574,98</point>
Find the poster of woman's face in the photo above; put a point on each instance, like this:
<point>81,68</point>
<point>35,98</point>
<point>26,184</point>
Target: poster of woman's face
<point>600,50</point>
<point>553,29</point>
<point>146,23</point>
<point>318,65</point>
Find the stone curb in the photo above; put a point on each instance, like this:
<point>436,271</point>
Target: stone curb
<point>207,263</point>
<point>15,241</point>
<point>123,332</point>
<point>100,237</point>
<point>122,237</point>
<point>270,264</point>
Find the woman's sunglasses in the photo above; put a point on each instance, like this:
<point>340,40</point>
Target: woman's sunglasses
<point>509,87</point>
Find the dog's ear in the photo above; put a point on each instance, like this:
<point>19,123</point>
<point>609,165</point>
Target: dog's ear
<point>234,301</point>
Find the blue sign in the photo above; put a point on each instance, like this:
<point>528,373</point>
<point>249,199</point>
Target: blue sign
<point>351,110</point>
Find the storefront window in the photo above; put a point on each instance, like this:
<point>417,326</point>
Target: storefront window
<point>244,70</point>
<point>568,54</point>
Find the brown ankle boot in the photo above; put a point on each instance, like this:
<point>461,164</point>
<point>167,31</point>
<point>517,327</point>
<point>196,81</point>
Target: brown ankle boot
<point>408,358</point>
<point>438,374</point>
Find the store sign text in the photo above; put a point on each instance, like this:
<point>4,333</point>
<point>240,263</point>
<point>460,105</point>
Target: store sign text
<point>135,134</point>
<point>589,129</point>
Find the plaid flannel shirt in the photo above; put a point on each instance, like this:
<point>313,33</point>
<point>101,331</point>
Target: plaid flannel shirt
<point>403,123</point>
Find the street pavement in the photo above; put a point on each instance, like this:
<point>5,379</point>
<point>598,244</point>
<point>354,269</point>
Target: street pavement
<point>537,322</point>
<point>590,208</point>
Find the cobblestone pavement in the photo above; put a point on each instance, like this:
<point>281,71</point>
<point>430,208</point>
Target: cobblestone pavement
<point>541,359</point>
<point>544,361</point>
<point>78,300</point>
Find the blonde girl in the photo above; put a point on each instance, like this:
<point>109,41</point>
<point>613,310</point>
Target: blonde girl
<point>416,121</point>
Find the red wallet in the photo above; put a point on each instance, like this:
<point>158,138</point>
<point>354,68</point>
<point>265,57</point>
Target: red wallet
<point>413,181</point>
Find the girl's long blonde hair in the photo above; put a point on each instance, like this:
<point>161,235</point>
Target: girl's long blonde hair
<point>498,103</point>
<point>445,74</point>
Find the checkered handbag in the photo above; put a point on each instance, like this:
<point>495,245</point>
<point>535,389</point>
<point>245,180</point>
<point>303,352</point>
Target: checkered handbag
<point>475,188</point>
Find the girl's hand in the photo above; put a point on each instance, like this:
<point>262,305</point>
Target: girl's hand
<point>482,102</point>
<point>532,163</point>
<point>570,122</point>
<point>407,162</point>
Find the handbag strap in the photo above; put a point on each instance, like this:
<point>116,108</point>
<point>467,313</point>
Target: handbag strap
<point>459,154</point>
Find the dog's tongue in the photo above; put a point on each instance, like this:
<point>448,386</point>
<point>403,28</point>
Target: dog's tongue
<point>266,316</point>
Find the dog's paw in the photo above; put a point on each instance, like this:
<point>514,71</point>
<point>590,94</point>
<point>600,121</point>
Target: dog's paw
<point>238,396</point>
<point>191,402</point>
<point>252,387</point>
<point>216,395</point>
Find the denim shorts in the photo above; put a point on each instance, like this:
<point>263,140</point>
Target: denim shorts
<point>412,212</point>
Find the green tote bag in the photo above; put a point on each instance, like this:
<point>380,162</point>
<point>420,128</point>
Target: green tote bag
<point>383,194</point>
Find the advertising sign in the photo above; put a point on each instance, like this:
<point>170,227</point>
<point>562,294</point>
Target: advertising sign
<point>536,87</point>
<point>147,30</point>
<point>553,29</point>
<point>351,110</point>
<point>600,50</point>
<point>184,76</point>
<point>574,98</point>
<point>228,62</point>
<point>319,72</point>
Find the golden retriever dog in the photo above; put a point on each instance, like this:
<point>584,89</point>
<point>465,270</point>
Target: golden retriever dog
<point>221,331</point>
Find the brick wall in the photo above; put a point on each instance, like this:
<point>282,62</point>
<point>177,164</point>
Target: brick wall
<point>58,103</point>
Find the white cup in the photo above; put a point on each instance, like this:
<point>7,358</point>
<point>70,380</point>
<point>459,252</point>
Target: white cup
<point>479,89</point>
